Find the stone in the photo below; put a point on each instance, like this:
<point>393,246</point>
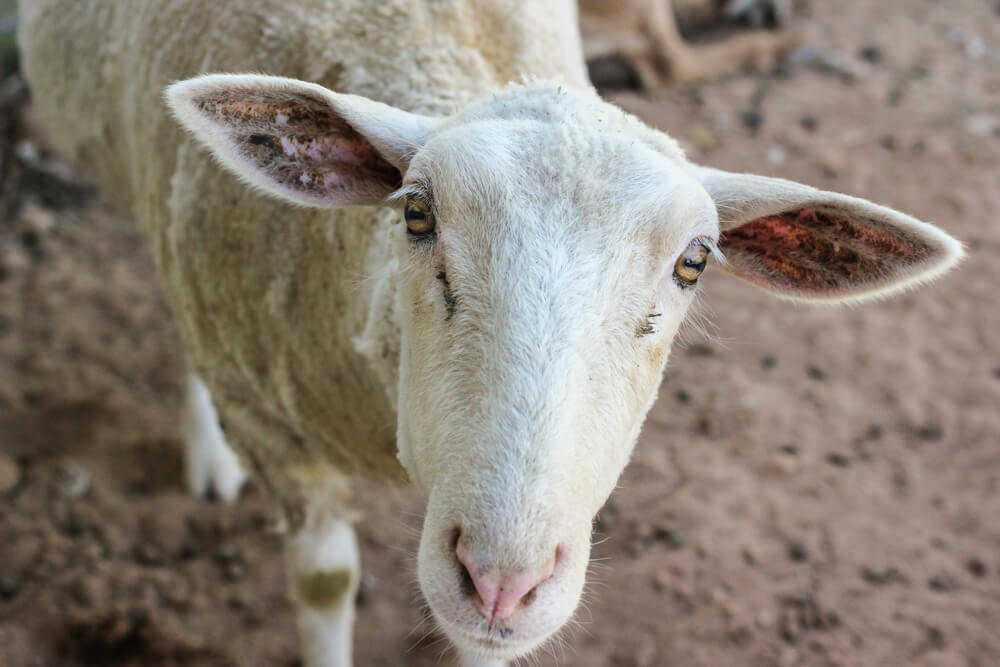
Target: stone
<point>10,473</point>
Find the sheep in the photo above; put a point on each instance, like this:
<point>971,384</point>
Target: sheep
<point>646,34</point>
<point>422,249</point>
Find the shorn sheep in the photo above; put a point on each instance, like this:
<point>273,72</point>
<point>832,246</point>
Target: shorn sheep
<point>454,265</point>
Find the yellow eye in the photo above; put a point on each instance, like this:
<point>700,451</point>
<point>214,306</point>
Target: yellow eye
<point>418,216</point>
<point>691,263</point>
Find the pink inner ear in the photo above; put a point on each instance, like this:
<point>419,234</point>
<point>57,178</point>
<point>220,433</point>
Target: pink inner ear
<point>820,252</point>
<point>302,144</point>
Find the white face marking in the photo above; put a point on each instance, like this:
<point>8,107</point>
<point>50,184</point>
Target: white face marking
<point>524,377</point>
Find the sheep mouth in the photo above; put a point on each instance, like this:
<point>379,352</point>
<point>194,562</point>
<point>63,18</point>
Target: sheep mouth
<point>493,646</point>
<point>489,643</point>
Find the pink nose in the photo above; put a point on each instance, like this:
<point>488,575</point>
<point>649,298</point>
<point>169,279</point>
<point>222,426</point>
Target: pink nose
<point>500,594</point>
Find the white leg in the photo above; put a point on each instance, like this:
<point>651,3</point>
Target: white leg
<point>465,660</point>
<point>324,569</point>
<point>211,465</point>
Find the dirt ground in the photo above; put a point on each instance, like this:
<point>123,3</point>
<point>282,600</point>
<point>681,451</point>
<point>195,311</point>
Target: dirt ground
<point>816,486</point>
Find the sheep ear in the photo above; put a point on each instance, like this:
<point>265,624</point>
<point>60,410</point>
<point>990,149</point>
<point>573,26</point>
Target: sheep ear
<point>299,141</point>
<point>803,243</point>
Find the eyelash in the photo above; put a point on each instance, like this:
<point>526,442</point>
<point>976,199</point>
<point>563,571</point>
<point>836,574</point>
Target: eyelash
<point>420,241</point>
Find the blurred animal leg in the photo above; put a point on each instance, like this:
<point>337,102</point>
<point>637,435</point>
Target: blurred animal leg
<point>324,568</point>
<point>693,63</point>
<point>212,467</point>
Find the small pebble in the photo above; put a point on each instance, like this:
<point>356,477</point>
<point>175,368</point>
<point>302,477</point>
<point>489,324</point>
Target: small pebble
<point>768,362</point>
<point>752,119</point>
<point>673,538</point>
<point>139,487</point>
<point>707,425</point>
<point>840,65</point>
<point>73,479</point>
<point>982,124</point>
<point>227,554</point>
<point>872,54</point>
<point>29,239</point>
<point>191,548</point>
<point>788,626</point>
<point>876,575</point>
<point>791,449</point>
<point>798,551</point>
<point>831,162</point>
<point>9,586</point>
<point>10,474</point>
<point>37,219</point>
<point>234,571</point>
<point>837,459</point>
<point>809,123</point>
<point>777,155</point>
<point>940,583</point>
<point>703,137</point>
<point>781,464</point>
<point>240,601</point>
<point>86,591</point>
<point>676,540</point>
<point>816,373</point>
<point>765,618</point>
<point>682,396</point>
<point>930,432</point>
<point>935,638</point>
<point>28,153</point>
<point>75,525</point>
<point>662,581</point>
<point>147,553</point>
<point>975,47</point>
<point>976,567</point>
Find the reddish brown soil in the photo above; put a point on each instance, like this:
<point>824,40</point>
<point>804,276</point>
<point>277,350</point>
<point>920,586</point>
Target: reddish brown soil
<point>816,486</point>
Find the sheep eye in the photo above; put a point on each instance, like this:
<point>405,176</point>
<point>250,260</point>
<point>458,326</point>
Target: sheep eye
<point>419,218</point>
<point>691,263</point>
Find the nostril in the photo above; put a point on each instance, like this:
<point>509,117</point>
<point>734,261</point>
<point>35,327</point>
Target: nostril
<point>467,584</point>
<point>453,536</point>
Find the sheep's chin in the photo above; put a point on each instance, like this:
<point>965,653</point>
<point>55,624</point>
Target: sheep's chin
<point>508,639</point>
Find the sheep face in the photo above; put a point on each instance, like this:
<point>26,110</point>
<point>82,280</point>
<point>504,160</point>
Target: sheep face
<point>553,248</point>
<point>541,297</point>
